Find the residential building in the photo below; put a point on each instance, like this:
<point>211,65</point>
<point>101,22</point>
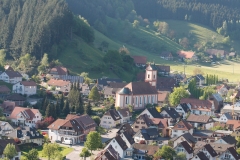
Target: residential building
<point>163,97</point>
<point>151,113</point>
<point>27,135</point>
<point>200,156</point>
<point>141,122</point>
<point>222,89</point>
<point>217,53</point>
<point>4,143</point>
<point>185,148</point>
<point>5,128</point>
<point>171,114</point>
<point>112,89</point>
<point>17,98</point>
<point>140,61</point>
<point>201,121</point>
<point>141,151</point>
<point>187,55</point>
<point>218,101</point>
<point>230,154</point>
<point>161,125</point>
<point>233,125</point>
<point>166,84</point>
<point>108,154</point>
<point>180,128</point>
<point>7,107</point>
<point>199,107</point>
<point>102,82</point>
<point>125,128</point>
<point>8,68</point>
<point>25,88</point>
<point>125,115</point>
<point>85,90</point>
<point>231,109</point>
<point>163,70</point>
<point>166,55</point>
<point>209,152</point>
<point>128,139</point>
<point>59,85</point>
<point>4,91</point>
<point>225,117</point>
<point>227,140</point>
<point>74,128</point>
<point>148,135</point>
<point>200,80</point>
<point>72,79</point>
<point>58,71</point>
<point>184,137</point>
<point>183,110</point>
<point>110,119</point>
<point>25,116</point>
<point>11,77</point>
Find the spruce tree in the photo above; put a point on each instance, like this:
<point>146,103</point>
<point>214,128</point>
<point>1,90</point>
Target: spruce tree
<point>79,105</point>
<point>214,79</point>
<point>45,104</point>
<point>57,109</point>
<point>78,85</point>
<point>62,102</point>
<point>207,80</point>
<point>88,109</point>
<point>66,108</point>
<point>48,110</point>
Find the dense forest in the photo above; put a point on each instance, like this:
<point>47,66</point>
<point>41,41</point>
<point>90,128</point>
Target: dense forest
<point>33,26</point>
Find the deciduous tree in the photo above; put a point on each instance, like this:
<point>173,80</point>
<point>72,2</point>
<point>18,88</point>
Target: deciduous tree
<point>32,155</point>
<point>93,141</point>
<point>166,152</point>
<point>177,94</point>
<point>94,94</point>
<point>10,151</point>
<point>85,153</point>
<point>50,150</point>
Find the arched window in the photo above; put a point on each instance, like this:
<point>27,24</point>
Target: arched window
<point>126,101</point>
<point>154,76</point>
<point>148,75</point>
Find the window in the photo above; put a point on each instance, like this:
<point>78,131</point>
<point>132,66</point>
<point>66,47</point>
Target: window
<point>148,76</point>
<point>126,101</point>
<point>136,100</point>
<point>154,76</point>
<point>136,127</point>
<point>140,101</point>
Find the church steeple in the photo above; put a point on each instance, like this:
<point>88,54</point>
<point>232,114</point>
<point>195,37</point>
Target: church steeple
<point>151,74</point>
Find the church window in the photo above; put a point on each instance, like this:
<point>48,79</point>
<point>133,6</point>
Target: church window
<point>154,76</point>
<point>126,101</point>
<point>148,75</point>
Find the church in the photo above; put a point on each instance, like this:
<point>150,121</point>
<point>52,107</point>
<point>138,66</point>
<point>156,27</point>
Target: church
<point>139,94</point>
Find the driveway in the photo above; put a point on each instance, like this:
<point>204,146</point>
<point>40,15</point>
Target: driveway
<point>109,135</point>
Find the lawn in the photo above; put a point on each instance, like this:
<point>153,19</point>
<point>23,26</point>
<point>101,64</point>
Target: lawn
<point>25,148</point>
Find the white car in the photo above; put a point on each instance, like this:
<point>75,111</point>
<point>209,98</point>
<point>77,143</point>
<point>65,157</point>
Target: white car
<point>67,142</point>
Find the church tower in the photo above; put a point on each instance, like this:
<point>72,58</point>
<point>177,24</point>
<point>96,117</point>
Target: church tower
<point>151,75</point>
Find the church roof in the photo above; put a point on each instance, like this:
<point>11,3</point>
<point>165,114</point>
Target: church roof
<point>138,88</point>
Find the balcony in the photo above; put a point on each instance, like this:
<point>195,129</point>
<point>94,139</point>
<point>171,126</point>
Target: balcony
<point>70,134</point>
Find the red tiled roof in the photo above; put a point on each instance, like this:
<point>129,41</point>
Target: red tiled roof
<point>58,82</point>
<point>162,96</point>
<point>216,52</point>
<point>183,125</point>
<point>28,83</point>
<point>235,123</point>
<point>197,104</point>
<point>186,54</point>
<point>28,113</point>
<point>158,121</point>
<point>60,70</point>
<point>140,59</point>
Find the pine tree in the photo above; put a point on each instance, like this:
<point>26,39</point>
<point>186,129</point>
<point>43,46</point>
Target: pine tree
<point>78,85</point>
<point>214,79</point>
<point>51,111</point>
<point>71,86</point>
<point>48,110</point>
<point>79,106</point>
<point>62,102</point>
<point>66,108</point>
<point>57,109</point>
<point>88,109</point>
<point>45,104</point>
<point>207,80</point>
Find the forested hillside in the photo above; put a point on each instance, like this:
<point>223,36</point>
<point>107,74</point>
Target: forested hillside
<point>33,26</point>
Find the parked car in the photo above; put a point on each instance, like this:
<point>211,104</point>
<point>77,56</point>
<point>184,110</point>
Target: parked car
<point>67,142</point>
<point>57,141</point>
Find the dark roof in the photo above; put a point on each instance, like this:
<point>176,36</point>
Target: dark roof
<point>166,83</point>
<point>106,81</point>
<point>172,112</point>
<point>162,68</point>
<point>125,112</point>
<point>153,111</point>
<point>139,59</point>
<point>141,76</point>
<point>185,107</point>
<point>151,67</point>
<point>187,147</point>
<point>4,89</point>
<point>202,156</point>
<point>182,125</point>
<point>60,70</point>
<point>13,74</point>
<point>234,153</point>
<point>137,88</point>
<point>210,150</point>
<point>114,114</point>
<point>198,118</point>
<point>150,150</point>
<point>148,132</point>
<point>126,128</point>
<point>72,79</point>
<point>31,132</point>
<point>121,142</point>
<point>166,54</point>
<point>15,97</point>
<point>228,115</point>
<point>116,85</point>
<point>229,139</point>
<point>189,138</point>
<point>199,76</point>
<point>218,97</point>
<point>129,137</point>
<point>5,142</point>
<point>28,83</point>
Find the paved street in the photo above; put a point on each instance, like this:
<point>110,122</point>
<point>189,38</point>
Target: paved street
<point>111,133</point>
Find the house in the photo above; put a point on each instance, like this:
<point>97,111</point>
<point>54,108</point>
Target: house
<point>230,154</point>
<point>108,154</point>
<point>217,53</point>
<point>151,113</point>
<point>59,85</point>
<point>106,81</point>
<point>73,127</point>
<point>161,125</point>
<point>110,119</point>
<point>141,151</point>
<point>187,55</point>
<point>232,109</point>
<point>58,71</point>
<point>166,84</point>
<point>199,107</point>
<point>233,125</point>
<point>184,137</point>
<point>209,152</point>
<point>218,101</point>
<point>27,135</point>
<point>25,88</point>
<point>200,156</point>
<point>225,117</point>
<point>120,146</point>
<point>112,89</point>
<point>228,139</point>
<point>185,148</point>
<point>166,55</point>
<point>72,79</point>
<point>183,110</point>
<point>85,90</point>
<point>125,128</point>
<point>200,121</point>
<point>17,98</point>
<point>171,114</point>
<point>25,116</point>
<point>4,91</point>
<point>11,77</point>
<point>180,128</point>
<point>222,90</point>
<point>140,60</point>
<point>4,143</point>
<point>5,128</point>
<point>128,139</point>
<point>148,135</point>
<point>8,68</point>
<point>7,107</point>
<point>163,70</point>
<point>141,122</point>
<point>200,80</point>
<point>162,97</point>
<point>125,115</point>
